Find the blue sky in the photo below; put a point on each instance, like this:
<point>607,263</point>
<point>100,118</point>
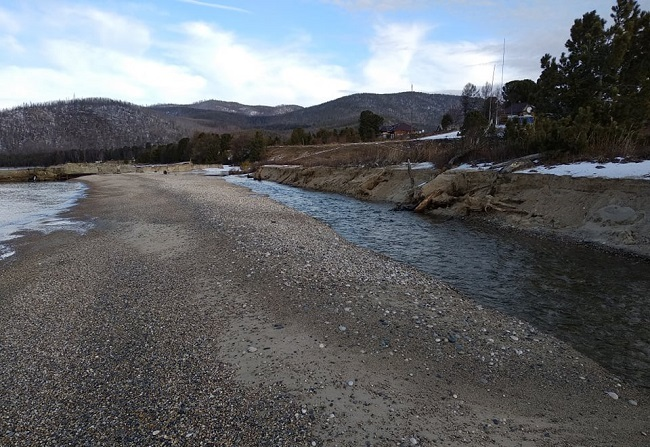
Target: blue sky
<point>303,52</point>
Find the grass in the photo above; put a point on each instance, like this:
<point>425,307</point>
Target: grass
<point>380,153</point>
<point>443,154</point>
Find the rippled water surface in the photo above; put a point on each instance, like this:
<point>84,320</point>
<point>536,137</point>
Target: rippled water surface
<point>36,207</point>
<point>596,301</point>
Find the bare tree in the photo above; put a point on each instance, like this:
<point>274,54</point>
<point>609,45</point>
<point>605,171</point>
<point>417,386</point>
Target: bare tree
<point>470,91</point>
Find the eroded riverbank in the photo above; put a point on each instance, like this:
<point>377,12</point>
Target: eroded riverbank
<point>612,213</point>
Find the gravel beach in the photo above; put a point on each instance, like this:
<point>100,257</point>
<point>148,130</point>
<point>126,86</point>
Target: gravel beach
<point>198,313</point>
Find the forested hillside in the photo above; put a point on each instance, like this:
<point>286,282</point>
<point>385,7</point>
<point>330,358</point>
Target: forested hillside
<point>83,125</point>
<point>423,110</point>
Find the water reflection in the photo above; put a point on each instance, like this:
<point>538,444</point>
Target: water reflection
<point>594,300</point>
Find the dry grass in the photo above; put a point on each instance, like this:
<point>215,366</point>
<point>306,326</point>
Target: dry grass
<point>442,154</point>
<point>356,154</point>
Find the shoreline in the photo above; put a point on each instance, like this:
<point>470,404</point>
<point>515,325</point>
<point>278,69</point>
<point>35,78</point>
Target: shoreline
<point>605,212</point>
<point>193,302</point>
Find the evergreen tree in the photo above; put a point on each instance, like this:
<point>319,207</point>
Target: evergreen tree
<point>369,124</point>
<point>298,137</point>
<point>446,121</point>
<point>519,91</point>
<point>605,71</point>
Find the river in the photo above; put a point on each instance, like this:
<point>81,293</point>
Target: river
<point>596,301</point>
<point>37,207</point>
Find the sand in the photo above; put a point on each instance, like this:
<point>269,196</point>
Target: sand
<point>197,313</point>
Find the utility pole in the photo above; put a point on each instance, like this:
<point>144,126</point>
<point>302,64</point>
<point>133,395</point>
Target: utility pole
<point>411,110</point>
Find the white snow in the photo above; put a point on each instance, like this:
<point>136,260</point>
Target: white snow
<point>474,167</point>
<point>634,170</point>
<point>617,169</point>
<point>444,136</point>
<point>414,166</point>
<point>220,172</point>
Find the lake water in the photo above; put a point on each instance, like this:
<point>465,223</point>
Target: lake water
<point>36,207</point>
<point>596,301</point>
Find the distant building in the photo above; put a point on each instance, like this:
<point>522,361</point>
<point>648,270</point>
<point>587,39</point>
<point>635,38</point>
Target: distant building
<point>397,130</point>
<point>522,113</point>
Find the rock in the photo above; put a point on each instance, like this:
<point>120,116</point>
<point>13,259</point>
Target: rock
<point>632,402</point>
<point>342,328</point>
<point>252,349</point>
<point>616,215</point>
<point>612,394</point>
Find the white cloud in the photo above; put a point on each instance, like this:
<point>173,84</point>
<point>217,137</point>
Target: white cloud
<point>93,71</point>
<point>214,5</point>
<point>378,5</point>
<point>78,69</point>
<point>392,51</point>
<point>101,28</point>
<point>402,55</point>
<point>90,51</point>
<point>257,73</point>
<point>9,23</point>
<point>11,45</point>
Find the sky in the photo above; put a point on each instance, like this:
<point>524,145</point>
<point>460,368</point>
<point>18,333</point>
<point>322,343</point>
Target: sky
<point>272,52</point>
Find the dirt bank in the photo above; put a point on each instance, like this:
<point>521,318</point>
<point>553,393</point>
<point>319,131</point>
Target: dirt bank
<point>73,170</point>
<point>613,213</point>
<point>390,184</point>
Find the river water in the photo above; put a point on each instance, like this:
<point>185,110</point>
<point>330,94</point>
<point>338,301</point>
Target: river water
<point>596,301</point>
<point>36,207</point>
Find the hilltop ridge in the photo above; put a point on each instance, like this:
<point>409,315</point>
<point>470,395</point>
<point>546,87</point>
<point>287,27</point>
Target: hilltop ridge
<point>96,124</point>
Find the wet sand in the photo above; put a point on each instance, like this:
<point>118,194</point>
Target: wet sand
<point>197,313</point>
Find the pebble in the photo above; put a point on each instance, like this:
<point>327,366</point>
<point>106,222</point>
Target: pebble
<point>612,394</point>
<point>238,403</point>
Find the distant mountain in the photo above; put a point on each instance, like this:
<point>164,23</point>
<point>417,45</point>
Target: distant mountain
<point>423,110</point>
<point>235,107</point>
<point>101,124</point>
<point>85,124</point>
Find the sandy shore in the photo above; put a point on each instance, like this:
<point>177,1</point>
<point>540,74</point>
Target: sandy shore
<point>196,313</point>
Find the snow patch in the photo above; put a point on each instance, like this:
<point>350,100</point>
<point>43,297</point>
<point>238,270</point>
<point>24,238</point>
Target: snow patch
<point>633,170</point>
<point>444,136</point>
<point>616,169</point>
